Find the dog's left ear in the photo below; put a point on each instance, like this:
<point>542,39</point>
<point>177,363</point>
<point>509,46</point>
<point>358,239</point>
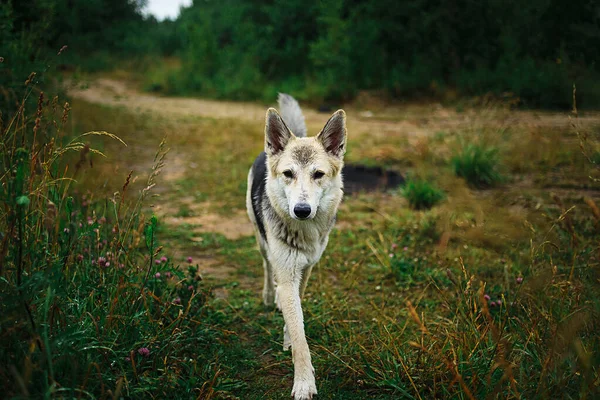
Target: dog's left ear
<point>277,134</point>
<point>333,135</point>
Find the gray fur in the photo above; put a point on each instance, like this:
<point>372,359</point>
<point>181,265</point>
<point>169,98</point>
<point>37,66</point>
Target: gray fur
<point>304,154</point>
<point>292,114</point>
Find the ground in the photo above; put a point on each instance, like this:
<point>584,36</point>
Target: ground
<point>358,288</point>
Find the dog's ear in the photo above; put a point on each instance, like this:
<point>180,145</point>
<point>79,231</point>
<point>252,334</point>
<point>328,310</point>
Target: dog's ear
<point>277,134</point>
<point>333,135</point>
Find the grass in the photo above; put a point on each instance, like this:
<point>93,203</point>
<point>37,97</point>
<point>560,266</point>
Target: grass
<point>397,307</point>
<point>478,165</point>
<point>421,194</point>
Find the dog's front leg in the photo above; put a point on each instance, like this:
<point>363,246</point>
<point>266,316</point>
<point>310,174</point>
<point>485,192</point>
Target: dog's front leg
<point>304,378</point>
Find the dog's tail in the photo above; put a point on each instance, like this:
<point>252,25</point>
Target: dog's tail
<point>292,114</point>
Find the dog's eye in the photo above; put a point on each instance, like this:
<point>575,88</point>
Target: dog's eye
<point>319,174</point>
<point>288,174</point>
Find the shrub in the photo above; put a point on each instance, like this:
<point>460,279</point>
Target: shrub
<point>478,165</point>
<point>421,194</point>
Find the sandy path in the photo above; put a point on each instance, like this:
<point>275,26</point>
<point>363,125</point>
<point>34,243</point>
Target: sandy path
<point>404,120</point>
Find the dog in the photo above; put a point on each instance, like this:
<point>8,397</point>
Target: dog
<point>294,190</point>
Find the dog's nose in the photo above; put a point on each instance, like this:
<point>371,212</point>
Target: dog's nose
<point>302,210</point>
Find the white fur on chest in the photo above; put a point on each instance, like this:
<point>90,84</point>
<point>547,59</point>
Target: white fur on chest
<point>310,239</point>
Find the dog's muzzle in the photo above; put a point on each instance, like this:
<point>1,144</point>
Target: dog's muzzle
<point>302,210</point>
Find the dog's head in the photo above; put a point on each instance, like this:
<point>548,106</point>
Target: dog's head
<point>305,173</point>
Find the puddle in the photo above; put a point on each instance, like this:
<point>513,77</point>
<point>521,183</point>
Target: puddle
<point>361,178</point>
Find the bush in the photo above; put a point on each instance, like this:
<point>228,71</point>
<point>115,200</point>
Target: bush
<point>478,165</point>
<point>421,194</point>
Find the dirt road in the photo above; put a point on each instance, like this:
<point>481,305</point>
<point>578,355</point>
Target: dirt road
<point>412,120</point>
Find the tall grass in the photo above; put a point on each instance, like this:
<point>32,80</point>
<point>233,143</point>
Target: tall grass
<point>529,334</point>
<point>90,304</point>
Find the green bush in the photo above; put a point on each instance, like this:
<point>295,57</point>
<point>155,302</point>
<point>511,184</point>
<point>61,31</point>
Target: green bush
<point>421,194</point>
<point>478,165</point>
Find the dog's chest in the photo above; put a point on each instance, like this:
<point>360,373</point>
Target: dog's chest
<point>305,240</point>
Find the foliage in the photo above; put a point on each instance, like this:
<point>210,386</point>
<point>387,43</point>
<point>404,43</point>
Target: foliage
<point>421,194</point>
<point>477,164</point>
<point>85,288</point>
<point>327,50</point>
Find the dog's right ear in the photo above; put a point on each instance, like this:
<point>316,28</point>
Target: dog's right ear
<point>277,134</point>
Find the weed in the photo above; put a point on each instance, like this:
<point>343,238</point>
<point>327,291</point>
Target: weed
<point>478,165</point>
<point>421,194</point>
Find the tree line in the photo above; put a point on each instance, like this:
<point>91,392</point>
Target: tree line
<point>329,50</point>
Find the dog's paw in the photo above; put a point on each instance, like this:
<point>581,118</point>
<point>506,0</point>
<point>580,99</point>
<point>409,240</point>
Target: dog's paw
<point>304,389</point>
<point>287,343</point>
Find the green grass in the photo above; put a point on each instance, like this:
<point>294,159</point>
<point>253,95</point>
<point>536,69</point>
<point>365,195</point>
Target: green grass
<point>478,165</point>
<point>86,288</point>
<point>421,194</point>
<point>396,308</point>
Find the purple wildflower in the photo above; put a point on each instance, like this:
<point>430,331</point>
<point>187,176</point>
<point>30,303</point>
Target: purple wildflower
<point>156,261</point>
<point>168,274</point>
<point>520,280</point>
<point>177,300</point>
<point>157,275</point>
<point>191,287</point>
<point>394,245</point>
<point>391,255</point>
<point>163,259</point>
<point>405,248</point>
<point>79,257</point>
<point>499,302</point>
<point>144,351</point>
<point>493,304</point>
<point>189,260</point>
<point>486,297</point>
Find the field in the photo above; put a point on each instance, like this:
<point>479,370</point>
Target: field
<point>478,279</point>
